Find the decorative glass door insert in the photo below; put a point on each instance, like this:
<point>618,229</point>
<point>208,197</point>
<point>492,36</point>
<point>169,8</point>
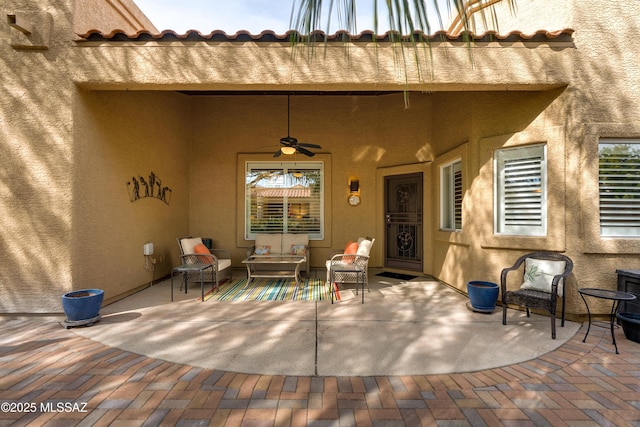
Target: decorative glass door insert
<point>403,217</point>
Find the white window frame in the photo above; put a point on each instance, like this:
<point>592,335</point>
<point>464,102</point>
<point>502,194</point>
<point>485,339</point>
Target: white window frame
<point>282,183</point>
<point>619,215</point>
<point>451,196</point>
<point>520,179</point>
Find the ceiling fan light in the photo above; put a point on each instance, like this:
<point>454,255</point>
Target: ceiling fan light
<point>288,150</point>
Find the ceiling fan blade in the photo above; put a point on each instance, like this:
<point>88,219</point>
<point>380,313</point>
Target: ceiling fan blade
<point>304,144</point>
<point>288,140</point>
<point>277,153</point>
<point>304,151</point>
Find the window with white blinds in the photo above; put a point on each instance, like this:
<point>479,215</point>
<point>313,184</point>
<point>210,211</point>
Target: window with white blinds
<point>284,197</point>
<point>521,191</point>
<point>619,182</point>
<point>451,196</point>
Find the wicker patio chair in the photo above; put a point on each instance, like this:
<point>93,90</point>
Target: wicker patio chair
<point>191,253</point>
<point>360,258</point>
<point>544,278</point>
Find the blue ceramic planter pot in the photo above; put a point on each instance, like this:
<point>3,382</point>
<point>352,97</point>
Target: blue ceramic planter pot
<point>482,295</point>
<point>83,304</point>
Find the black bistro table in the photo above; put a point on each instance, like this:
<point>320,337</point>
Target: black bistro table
<point>185,269</point>
<point>615,296</point>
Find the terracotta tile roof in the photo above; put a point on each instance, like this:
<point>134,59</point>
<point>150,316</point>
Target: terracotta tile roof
<point>293,192</point>
<point>340,36</point>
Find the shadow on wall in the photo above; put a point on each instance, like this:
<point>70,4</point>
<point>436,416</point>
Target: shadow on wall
<point>36,177</point>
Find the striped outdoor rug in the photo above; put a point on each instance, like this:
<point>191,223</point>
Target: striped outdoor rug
<point>270,290</point>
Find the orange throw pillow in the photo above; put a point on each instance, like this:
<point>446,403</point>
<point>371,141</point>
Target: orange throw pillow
<point>351,248</point>
<point>202,249</point>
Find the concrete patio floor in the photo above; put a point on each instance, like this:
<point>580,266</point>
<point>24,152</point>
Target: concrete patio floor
<point>412,327</point>
<point>408,369</point>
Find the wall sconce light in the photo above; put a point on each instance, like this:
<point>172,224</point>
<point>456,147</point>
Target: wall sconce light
<point>354,186</point>
<point>288,150</point>
<point>354,190</point>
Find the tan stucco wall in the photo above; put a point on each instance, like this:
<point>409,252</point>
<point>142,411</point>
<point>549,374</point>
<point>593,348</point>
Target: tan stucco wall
<point>36,128</point>
<point>108,15</point>
<point>358,135</point>
<point>599,102</point>
<point>360,66</point>
<point>527,16</point>
<point>516,119</point>
<point>79,119</point>
<point>119,136</point>
<point>67,222</point>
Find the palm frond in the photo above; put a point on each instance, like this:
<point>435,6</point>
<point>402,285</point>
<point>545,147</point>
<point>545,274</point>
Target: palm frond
<point>409,23</point>
<point>404,17</point>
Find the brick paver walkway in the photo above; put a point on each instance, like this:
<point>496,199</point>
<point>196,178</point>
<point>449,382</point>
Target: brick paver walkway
<point>53,377</point>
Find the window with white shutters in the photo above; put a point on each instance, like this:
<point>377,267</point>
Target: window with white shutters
<point>619,182</point>
<point>284,198</point>
<point>451,196</point>
<point>521,191</point>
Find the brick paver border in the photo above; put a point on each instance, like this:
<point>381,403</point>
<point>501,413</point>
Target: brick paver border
<point>51,376</point>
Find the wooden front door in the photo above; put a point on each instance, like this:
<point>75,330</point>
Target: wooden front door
<point>403,216</point>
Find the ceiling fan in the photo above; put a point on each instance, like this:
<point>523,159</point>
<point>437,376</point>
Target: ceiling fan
<point>290,145</point>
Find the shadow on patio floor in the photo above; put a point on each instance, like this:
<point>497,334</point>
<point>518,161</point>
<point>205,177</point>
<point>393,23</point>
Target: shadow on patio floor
<point>411,327</point>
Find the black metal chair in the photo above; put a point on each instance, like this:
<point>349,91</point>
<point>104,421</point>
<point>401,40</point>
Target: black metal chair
<point>534,298</point>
